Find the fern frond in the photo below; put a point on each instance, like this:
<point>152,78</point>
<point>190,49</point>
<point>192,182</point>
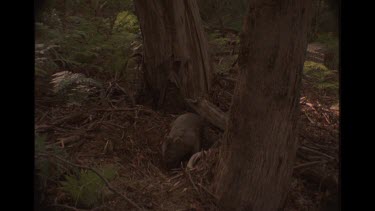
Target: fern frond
<point>86,187</point>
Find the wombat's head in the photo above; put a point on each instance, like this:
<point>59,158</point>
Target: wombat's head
<point>174,151</point>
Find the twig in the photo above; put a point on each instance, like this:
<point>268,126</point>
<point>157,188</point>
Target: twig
<point>325,116</point>
<point>68,207</point>
<point>175,186</point>
<point>316,152</point>
<point>43,116</point>
<point>308,118</point>
<point>67,140</point>
<point>230,79</point>
<point>150,165</point>
<point>308,164</point>
<point>113,124</point>
<point>97,173</point>
<point>108,88</point>
<point>207,191</point>
<point>235,62</point>
<point>150,128</point>
<point>127,92</point>
<point>228,93</point>
<point>221,59</point>
<point>191,181</point>
<point>133,166</point>
<point>175,177</point>
<point>67,118</point>
<point>123,135</point>
<point>135,118</point>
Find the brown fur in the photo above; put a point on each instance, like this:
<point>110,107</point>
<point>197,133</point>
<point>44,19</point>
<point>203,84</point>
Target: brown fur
<point>183,140</point>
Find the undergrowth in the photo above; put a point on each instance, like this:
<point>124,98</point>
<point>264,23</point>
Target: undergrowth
<point>225,49</point>
<point>86,188</point>
<point>322,78</point>
<point>47,171</point>
<point>332,44</point>
<point>93,41</point>
<point>83,187</point>
<point>89,40</point>
<point>75,88</point>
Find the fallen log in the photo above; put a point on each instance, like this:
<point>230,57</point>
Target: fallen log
<point>209,111</point>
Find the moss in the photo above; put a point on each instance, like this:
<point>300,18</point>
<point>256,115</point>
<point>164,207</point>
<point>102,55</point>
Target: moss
<point>320,77</point>
<point>314,68</point>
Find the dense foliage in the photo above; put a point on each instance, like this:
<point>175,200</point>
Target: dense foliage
<point>88,36</point>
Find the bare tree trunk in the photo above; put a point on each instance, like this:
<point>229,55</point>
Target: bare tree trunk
<point>175,48</point>
<point>256,160</point>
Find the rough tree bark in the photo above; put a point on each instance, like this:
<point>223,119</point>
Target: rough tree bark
<point>175,47</point>
<point>176,50</point>
<point>256,160</point>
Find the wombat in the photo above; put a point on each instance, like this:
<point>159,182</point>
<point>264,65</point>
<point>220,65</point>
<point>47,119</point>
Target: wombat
<point>183,140</point>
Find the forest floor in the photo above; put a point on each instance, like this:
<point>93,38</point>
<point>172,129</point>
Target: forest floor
<point>114,132</point>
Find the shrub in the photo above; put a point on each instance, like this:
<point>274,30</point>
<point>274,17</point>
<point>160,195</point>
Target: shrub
<point>86,188</point>
<point>321,77</point>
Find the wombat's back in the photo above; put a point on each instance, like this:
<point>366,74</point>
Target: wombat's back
<point>186,122</point>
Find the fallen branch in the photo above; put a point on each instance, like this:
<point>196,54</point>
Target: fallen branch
<point>308,117</point>
<point>316,152</point>
<point>174,177</point>
<point>193,159</point>
<point>175,186</point>
<point>326,118</point>
<point>192,182</point>
<point>209,111</point>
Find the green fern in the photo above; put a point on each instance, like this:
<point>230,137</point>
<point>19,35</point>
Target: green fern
<point>316,70</point>
<point>87,41</point>
<point>86,189</point>
<point>44,62</point>
<point>76,87</point>
<point>321,77</point>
